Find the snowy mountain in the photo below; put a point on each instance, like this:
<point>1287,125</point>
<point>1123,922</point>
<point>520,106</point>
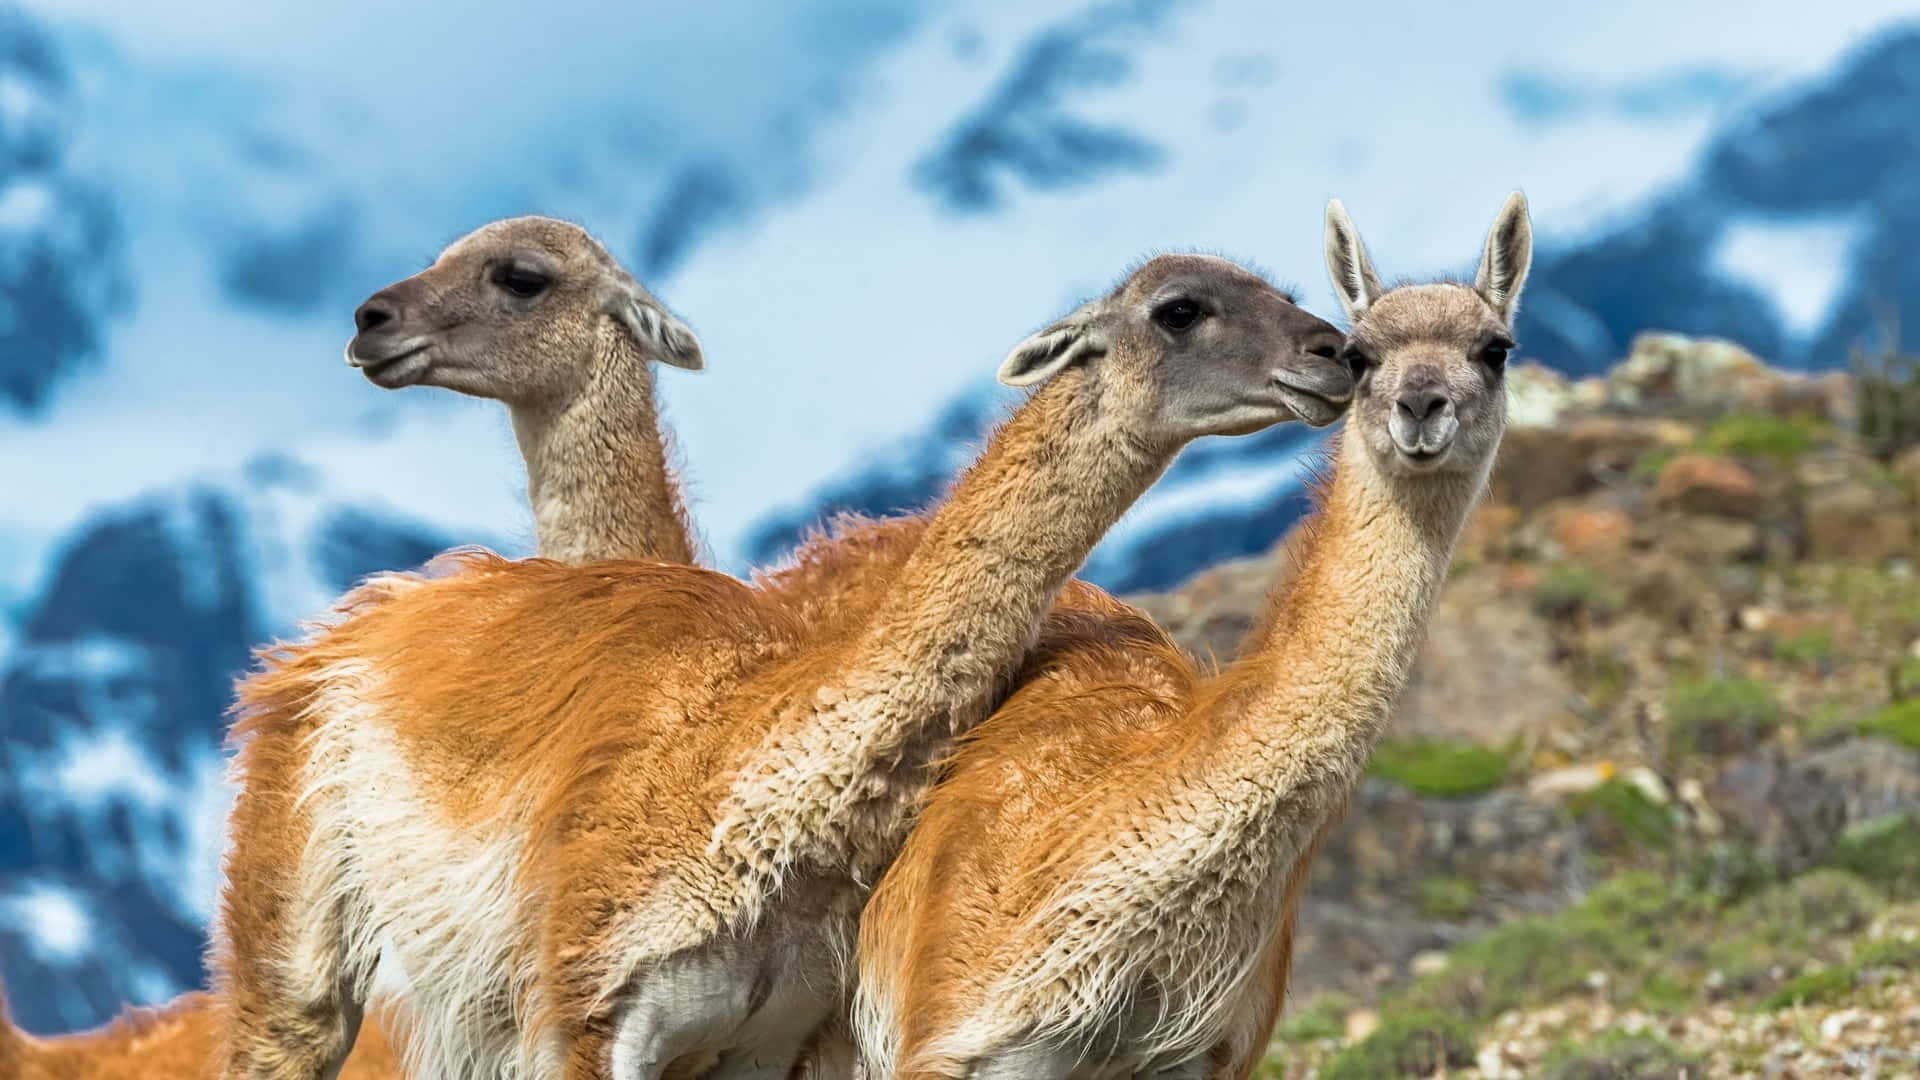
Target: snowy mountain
<point>1799,263</point>
<point>112,691</point>
<point>859,204</point>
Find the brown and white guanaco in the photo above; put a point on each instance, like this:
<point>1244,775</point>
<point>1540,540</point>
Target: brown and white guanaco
<point>1106,883</point>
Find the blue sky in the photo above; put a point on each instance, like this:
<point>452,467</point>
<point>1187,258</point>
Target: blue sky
<point>841,304</point>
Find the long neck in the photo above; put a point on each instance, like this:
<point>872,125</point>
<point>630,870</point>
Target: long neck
<point>597,466</point>
<point>1292,723</point>
<point>1050,483</point>
<point>837,780</point>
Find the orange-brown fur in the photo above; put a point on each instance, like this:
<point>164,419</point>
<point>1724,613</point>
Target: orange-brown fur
<point>178,1041</point>
<point>638,743</point>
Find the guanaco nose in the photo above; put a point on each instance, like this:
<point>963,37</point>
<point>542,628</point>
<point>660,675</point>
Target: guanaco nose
<point>1421,403</point>
<point>377,311</point>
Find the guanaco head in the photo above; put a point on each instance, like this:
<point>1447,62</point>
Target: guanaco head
<point>1429,361</point>
<point>515,310</point>
<point>1192,345</point>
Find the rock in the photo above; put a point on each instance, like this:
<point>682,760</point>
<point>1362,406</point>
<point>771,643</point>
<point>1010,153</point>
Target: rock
<point>1488,534</point>
<point>1706,484</point>
<point>1793,808</point>
<point>1709,538</point>
<point>1650,785</point>
<point>1859,522</point>
<point>1537,465</point>
<point>1360,1024</point>
<point>1906,472</point>
<point>1485,673</point>
<point>1363,908</point>
<point>1837,1023</point>
<point>1699,375</point>
<point>1561,784</point>
<point>1211,614</point>
<point>1428,962</point>
<point>1706,821</point>
<point>1537,395</point>
<point>1594,535</point>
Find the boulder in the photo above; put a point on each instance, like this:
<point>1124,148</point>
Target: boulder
<point>1859,522</point>
<point>1699,376</point>
<point>1708,484</point>
<point>1598,535</point>
<point>1793,808</point>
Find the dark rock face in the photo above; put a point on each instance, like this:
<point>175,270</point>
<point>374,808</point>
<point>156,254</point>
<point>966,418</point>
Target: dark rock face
<point>1024,135</point>
<point>1793,809</point>
<point>113,701</point>
<point>60,260</point>
<point>1859,124</point>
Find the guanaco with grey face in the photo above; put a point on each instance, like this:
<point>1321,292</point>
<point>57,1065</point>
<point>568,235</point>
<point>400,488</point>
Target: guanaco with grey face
<point>1106,883</point>
<point>535,313</point>
<point>616,820</point>
<point>541,318</point>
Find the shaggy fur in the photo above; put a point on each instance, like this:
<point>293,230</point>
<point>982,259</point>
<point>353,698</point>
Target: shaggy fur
<point>622,816</point>
<point>177,1042</point>
<point>1106,883</point>
<point>573,365</point>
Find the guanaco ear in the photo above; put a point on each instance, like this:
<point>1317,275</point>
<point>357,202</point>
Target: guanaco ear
<point>1347,263</point>
<point>660,336</point>
<point>1069,341</point>
<point>1509,254</point>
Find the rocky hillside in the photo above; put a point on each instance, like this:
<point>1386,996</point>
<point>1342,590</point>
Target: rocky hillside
<point>1658,771</point>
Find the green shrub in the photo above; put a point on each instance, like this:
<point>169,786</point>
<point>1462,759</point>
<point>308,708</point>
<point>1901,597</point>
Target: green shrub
<point>1324,1016</point>
<point>1759,435</point>
<point>1616,1055</point>
<point>1719,716</point>
<point>1569,588</point>
<point>1724,873</point>
<point>1903,678</point>
<point>1899,721</point>
<point>1411,1044</point>
<point>1648,465</point>
<point>1813,648</point>
<point>1887,953</point>
<point>1812,988</point>
<point>1437,767</point>
<point>1885,851</point>
<point>1628,925</point>
<point>1622,806</point>
<point>1444,896</point>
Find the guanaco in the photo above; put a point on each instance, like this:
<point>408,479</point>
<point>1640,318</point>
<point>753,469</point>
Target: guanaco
<point>619,819</point>
<point>1107,882</point>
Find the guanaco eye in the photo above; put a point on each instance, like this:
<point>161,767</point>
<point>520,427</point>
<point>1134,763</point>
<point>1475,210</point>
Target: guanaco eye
<point>1494,353</point>
<point>520,281</point>
<point>1178,314</point>
<point>1357,361</point>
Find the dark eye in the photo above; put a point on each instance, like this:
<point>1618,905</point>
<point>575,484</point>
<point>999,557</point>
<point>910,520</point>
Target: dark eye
<point>1494,353</point>
<point>520,281</point>
<point>1178,314</point>
<point>1357,361</point>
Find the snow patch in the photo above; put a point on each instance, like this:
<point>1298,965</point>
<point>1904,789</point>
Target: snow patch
<point>111,764</point>
<point>58,927</point>
<point>1800,264</point>
<point>26,207</point>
